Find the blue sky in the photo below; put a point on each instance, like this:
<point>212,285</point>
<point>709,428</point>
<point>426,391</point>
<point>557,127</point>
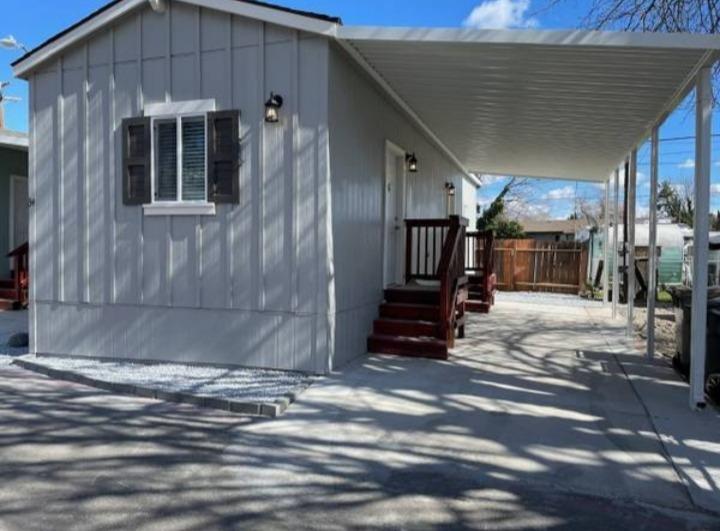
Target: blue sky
<point>552,198</point>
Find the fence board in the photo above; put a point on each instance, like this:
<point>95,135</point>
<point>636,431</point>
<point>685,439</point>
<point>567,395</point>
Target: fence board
<point>534,265</point>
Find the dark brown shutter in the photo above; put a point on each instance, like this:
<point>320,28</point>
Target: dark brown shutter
<point>223,156</point>
<point>136,161</point>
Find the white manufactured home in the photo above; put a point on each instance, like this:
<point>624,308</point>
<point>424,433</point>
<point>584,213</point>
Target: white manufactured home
<point>228,181</point>
<point>172,221</point>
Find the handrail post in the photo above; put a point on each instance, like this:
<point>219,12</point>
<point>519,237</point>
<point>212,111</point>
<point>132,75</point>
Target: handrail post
<point>18,280</point>
<point>408,251</point>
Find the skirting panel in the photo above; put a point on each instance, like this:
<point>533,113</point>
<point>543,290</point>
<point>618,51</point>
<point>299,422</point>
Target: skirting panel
<point>254,339</point>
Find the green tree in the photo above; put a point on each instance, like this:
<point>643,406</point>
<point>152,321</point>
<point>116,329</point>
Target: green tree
<point>676,204</point>
<point>494,218</point>
<point>509,229</point>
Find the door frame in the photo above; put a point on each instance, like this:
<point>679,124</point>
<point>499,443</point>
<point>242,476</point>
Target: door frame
<point>394,150</point>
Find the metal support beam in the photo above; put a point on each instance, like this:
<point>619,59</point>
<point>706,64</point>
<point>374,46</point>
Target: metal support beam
<point>698,330</point>
<point>606,246</point>
<point>652,244</point>
<point>615,247</point>
<point>631,195</point>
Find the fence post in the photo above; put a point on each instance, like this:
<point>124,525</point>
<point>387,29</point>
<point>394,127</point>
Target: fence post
<point>513,265</point>
<point>582,261</point>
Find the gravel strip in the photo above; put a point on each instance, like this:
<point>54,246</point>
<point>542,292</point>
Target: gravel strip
<point>553,299</point>
<point>250,385</point>
<point>254,391</point>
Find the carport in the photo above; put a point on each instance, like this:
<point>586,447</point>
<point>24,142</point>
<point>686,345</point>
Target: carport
<point>559,105</point>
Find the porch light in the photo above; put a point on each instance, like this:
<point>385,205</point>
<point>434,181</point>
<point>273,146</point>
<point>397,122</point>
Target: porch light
<point>272,108</point>
<point>450,188</point>
<point>412,162</point>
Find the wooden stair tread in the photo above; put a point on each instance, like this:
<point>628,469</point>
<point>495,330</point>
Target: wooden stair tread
<point>417,347</point>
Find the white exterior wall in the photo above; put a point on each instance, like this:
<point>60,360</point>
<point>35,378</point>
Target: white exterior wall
<point>248,285</point>
<point>469,203</point>
<point>361,120</point>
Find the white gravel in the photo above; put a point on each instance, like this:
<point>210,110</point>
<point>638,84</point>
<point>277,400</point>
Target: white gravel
<point>239,384</point>
<point>557,299</point>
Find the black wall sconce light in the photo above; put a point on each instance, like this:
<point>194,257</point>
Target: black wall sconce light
<point>272,108</point>
<point>412,162</point>
<point>450,188</point>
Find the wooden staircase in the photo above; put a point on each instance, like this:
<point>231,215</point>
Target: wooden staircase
<point>7,294</point>
<point>422,318</point>
<point>480,264</point>
<point>13,292</point>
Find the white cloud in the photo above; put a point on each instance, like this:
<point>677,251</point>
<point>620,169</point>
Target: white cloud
<point>688,164</point>
<point>715,189</point>
<point>566,192</point>
<point>521,209</point>
<point>487,179</point>
<point>501,14</point>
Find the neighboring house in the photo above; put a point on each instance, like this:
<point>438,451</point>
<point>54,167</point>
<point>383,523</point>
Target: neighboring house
<point>671,239</point>
<point>181,213</point>
<point>556,230</point>
<point>13,197</point>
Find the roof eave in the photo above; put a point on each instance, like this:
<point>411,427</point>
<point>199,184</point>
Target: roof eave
<point>106,15</point>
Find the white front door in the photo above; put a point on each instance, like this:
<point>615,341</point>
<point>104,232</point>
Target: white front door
<point>394,214</point>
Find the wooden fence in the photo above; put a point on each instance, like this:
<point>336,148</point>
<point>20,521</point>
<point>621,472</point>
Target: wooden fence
<point>534,265</point>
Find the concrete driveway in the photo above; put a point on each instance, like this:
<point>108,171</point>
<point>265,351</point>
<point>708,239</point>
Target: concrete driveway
<point>543,418</point>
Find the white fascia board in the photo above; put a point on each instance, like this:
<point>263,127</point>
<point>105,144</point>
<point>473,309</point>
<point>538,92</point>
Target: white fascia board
<point>394,96</point>
<point>472,179</point>
<point>77,34</point>
<point>270,15</point>
<point>15,141</point>
<point>265,14</point>
<point>532,37</point>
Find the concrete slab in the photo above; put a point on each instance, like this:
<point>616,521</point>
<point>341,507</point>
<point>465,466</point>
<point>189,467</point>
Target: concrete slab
<point>523,428</point>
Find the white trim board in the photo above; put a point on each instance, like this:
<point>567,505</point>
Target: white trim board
<point>13,140</point>
<point>263,13</point>
<point>532,37</point>
<point>179,108</point>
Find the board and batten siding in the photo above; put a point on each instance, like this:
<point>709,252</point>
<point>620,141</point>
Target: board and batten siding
<point>361,120</point>
<point>249,285</point>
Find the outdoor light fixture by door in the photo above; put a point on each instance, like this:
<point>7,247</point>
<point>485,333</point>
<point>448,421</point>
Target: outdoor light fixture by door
<point>450,191</point>
<point>412,162</point>
<point>272,108</point>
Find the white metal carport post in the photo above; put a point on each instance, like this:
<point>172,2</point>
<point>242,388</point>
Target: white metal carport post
<point>703,130</point>
<point>616,236</point>
<point>652,244</point>
<point>606,245</point>
<point>630,289</point>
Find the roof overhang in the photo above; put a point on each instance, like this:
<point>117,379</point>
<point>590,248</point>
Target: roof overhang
<point>303,21</point>
<point>13,140</point>
<point>547,104</point>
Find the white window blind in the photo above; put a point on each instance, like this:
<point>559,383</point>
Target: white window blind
<point>166,184</point>
<point>193,159</point>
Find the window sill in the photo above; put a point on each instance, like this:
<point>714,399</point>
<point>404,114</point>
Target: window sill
<point>179,209</point>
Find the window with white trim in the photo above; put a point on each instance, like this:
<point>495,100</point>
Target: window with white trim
<point>179,158</point>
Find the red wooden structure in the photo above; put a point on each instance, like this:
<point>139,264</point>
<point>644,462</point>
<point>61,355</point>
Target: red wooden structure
<point>424,316</point>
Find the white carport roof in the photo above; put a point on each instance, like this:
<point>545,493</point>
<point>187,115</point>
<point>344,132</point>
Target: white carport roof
<point>554,104</point>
